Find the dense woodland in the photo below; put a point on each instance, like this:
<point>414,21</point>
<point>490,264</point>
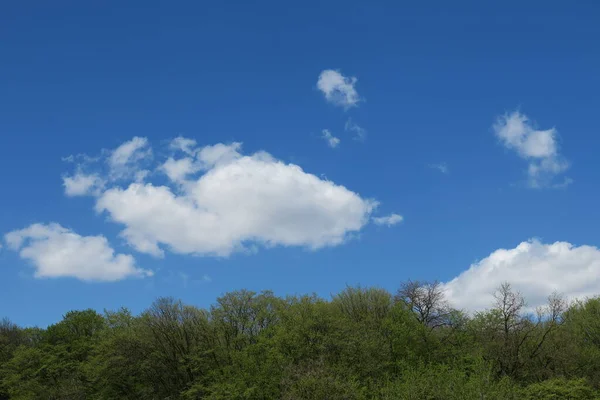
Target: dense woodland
<point>361,344</point>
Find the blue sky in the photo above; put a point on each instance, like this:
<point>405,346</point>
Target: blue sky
<point>504,96</point>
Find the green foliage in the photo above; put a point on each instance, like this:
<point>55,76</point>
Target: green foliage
<point>313,381</point>
<point>363,344</point>
<point>560,388</point>
<point>52,366</point>
<point>11,337</point>
<point>582,337</point>
<point>444,382</point>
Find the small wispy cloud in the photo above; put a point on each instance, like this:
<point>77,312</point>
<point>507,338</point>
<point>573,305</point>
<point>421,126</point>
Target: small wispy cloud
<point>123,160</point>
<point>338,89</point>
<point>186,145</point>
<point>122,163</point>
<point>185,279</point>
<point>561,185</point>
<point>538,147</point>
<point>359,133</point>
<point>388,220</point>
<point>331,140</point>
<point>442,167</point>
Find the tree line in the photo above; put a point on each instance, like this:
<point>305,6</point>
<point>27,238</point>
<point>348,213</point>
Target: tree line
<point>363,343</point>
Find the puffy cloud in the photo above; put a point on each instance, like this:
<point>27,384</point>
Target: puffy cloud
<point>539,147</point>
<point>237,200</point>
<point>123,161</point>
<point>442,167</point>
<point>388,220</point>
<point>55,252</point>
<point>338,89</point>
<point>82,184</point>
<point>359,133</point>
<point>331,140</point>
<point>532,268</point>
<point>218,200</point>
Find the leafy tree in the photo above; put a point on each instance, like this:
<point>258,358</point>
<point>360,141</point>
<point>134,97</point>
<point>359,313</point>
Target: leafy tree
<point>11,337</point>
<point>582,339</point>
<point>55,367</point>
<point>362,344</point>
<point>121,367</point>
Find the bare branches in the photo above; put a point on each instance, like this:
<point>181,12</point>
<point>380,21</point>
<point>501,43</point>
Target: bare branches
<point>427,301</point>
<point>516,337</point>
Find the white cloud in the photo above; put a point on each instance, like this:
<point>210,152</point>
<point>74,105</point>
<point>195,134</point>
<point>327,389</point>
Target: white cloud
<point>388,220</point>
<point>359,133</point>
<point>338,89</point>
<point>331,140</point>
<point>82,184</point>
<point>532,268</point>
<point>183,144</point>
<point>442,167</point>
<point>186,280</point>
<point>539,147</point>
<point>123,161</point>
<point>238,200</point>
<point>80,159</point>
<point>55,252</point>
<point>220,154</point>
<point>178,169</point>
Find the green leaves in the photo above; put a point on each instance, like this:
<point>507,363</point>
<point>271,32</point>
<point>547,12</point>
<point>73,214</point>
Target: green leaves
<point>560,388</point>
<point>361,345</point>
<point>448,382</point>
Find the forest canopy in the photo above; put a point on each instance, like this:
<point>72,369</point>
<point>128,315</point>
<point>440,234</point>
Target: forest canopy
<point>363,343</point>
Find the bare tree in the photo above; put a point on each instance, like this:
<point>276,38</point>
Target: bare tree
<point>510,304</point>
<point>516,337</point>
<point>426,300</point>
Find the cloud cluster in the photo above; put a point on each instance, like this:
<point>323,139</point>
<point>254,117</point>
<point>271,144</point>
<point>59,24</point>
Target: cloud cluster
<point>55,251</point>
<point>224,200</point>
<point>214,201</point>
<point>338,89</point>
<point>534,269</point>
<point>539,147</point>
